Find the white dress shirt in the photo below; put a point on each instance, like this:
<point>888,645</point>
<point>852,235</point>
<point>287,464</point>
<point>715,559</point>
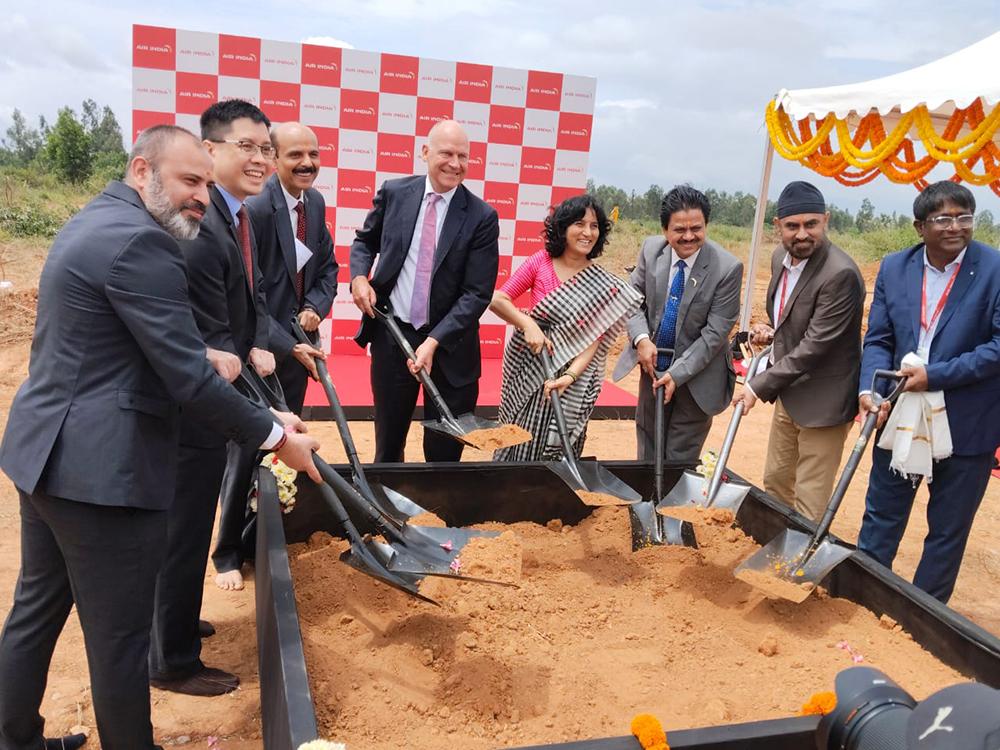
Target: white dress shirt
<point>935,282</point>
<point>791,275</point>
<point>292,202</point>
<point>674,268</point>
<point>402,293</point>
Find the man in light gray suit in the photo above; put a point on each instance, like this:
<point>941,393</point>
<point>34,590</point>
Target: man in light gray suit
<point>692,291</point>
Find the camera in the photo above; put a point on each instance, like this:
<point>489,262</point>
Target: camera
<point>874,713</point>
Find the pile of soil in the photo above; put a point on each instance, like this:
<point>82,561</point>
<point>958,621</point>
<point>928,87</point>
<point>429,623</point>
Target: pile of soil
<point>17,316</point>
<point>594,635</point>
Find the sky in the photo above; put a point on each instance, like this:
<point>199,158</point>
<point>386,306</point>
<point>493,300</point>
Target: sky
<point>681,88</point>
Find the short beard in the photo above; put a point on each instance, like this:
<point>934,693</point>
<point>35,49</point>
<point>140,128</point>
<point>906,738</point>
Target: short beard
<point>167,215</point>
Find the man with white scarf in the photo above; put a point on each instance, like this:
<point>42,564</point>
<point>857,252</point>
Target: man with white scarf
<point>935,318</point>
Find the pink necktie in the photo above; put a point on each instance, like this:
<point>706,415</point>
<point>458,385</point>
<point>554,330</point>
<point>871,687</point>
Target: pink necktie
<point>425,264</point>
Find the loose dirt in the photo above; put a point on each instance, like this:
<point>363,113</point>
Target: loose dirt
<point>495,438</point>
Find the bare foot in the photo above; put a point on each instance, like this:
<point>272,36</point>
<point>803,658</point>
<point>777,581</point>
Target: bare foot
<point>231,580</point>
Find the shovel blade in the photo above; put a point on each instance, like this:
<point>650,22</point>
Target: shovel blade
<point>368,558</point>
<point>650,529</point>
<point>688,500</point>
<point>396,505</point>
<point>476,432</point>
<point>431,551</point>
<point>594,484</point>
<point>781,569</point>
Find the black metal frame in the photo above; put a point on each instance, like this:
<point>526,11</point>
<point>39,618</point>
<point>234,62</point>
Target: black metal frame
<point>468,493</point>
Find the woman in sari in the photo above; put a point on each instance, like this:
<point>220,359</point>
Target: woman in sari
<point>577,311</point>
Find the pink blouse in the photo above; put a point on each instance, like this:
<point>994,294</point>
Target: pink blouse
<point>537,274</point>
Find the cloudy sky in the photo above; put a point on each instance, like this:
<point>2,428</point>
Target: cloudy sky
<point>681,87</point>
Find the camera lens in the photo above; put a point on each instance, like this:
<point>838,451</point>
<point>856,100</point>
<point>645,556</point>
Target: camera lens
<point>871,713</point>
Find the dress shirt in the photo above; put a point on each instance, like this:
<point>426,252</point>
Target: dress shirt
<point>688,265</point>
<point>402,292</point>
<point>792,272</point>
<point>292,202</point>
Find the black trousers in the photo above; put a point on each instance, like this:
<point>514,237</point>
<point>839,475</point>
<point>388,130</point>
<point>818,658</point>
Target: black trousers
<point>234,514</point>
<point>395,393</point>
<point>104,560</point>
<point>175,647</point>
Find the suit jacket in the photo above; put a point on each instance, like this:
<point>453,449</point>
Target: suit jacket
<point>708,310</point>
<point>230,315</point>
<point>116,351</point>
<point>964,357</point>
<point>275,242</point>
<point>817,342</point>
<point>463,276</point>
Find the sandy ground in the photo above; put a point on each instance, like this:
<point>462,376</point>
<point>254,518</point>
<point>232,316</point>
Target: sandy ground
<point>233,722</point>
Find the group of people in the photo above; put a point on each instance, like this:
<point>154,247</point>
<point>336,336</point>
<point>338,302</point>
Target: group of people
<point>161,290</point>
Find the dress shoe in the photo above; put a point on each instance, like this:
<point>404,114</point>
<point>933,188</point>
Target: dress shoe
<point>205,629</point>
<point>69,742</point>
<point>206,682</point>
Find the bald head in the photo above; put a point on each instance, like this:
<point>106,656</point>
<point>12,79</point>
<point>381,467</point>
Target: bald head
<point>297,157</point>
<point>446,154</point>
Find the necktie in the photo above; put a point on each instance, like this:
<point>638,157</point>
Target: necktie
<point>300,234</point>
<point>244,234</point>
<point>425,264</point>
<point>666,334</point>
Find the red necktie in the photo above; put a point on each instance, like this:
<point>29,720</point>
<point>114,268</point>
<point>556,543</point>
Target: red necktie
<point>300,233</point>
<point>244,231</point>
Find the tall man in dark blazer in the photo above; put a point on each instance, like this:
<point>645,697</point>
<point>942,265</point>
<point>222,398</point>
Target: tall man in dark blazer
<point>227,299</point>
<point>287,216</point>
<point>815,301</point>
<point>941,300</point>
<point>692,290</point>
<point>91,440</point>
<point>437,288</point>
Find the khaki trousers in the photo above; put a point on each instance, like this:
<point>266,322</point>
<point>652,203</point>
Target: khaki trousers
<point>802,462</point>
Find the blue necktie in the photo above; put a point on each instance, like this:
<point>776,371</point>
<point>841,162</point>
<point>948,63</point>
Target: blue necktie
<point>667,332</point>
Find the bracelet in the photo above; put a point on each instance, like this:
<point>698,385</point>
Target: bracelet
<point>280,444</point>
<point>572,375</point>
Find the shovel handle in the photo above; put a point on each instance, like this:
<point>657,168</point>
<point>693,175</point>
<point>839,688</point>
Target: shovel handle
<point>559,416</point>
<point>425,380</point>
<point>658,434</point>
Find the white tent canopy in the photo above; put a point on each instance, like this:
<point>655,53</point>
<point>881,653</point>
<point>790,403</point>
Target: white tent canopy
<point>953,81</point>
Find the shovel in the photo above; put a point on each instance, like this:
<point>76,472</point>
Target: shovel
<point>410,552</point>
<point>648,528</point>
<point>591,482</point>
<point>469,429</point>
<point>689,500</point>
<point>793,563</point>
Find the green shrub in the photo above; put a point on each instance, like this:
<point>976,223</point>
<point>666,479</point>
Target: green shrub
<point>29,221</point>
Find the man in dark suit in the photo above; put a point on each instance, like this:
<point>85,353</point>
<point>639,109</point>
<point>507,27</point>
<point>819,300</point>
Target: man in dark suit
<point>815,302</point>
<point>91,440</point>
<point>227,299</point>
<point>692,291</point>
<point>299,280</point>
<point>438,288</point>
<point>940,300</point>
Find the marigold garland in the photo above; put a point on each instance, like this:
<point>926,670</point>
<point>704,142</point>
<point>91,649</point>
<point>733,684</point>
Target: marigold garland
<point>819,704</point>
<point>648,730</point>
<point>860,156</point>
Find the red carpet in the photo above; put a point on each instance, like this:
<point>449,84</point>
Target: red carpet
<point>351,379</point>
<point>996,472</point>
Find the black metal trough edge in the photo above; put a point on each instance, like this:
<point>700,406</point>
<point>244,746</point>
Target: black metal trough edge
<point>287,715</point>
<point>457,497</point>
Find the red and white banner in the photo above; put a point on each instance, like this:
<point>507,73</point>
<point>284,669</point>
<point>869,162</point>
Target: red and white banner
<point>530,130</point>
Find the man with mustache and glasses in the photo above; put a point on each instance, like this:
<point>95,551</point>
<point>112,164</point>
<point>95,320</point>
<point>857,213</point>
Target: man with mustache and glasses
<point>938,303</point>
<point>295,253</point>
<point>814,302</point>
<point>227,298</point>
<point>91,440</point>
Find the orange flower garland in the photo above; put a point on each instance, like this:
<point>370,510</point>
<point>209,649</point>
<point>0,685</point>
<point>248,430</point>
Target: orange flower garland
<point>648,730</point>
<point>859,157</point>
<point>820,703</point>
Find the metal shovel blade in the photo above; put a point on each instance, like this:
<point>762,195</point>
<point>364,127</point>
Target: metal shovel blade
<point>785,569</point>
<point>594,484</point>
<point>428,551</point>
<point>477,432</point>
<point>365,557</point>
<point>688,501</point>
<point>650,529</point>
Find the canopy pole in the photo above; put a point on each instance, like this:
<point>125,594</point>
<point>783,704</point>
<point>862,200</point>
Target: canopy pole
<point>756,238</point>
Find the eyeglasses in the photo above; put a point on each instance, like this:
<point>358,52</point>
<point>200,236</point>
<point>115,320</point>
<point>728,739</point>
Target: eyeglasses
<point>965,221</point>
<point>249,147</point>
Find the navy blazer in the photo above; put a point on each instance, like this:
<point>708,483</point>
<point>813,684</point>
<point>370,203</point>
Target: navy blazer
<point>964,359</point>
<point>115,353</point>
<point>276,255</point>
<point>463,276</point>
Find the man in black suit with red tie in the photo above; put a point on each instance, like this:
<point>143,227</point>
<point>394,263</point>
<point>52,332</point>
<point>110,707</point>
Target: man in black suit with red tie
<point>299,279</point>
<point>437,248</point>
<point>227,299</point>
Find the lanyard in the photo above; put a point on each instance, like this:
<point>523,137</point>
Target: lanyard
<point>784,290</point>
<point>927,325</point>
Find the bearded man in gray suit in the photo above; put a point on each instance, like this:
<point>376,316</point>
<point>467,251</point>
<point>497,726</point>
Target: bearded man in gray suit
<point>692,287</point>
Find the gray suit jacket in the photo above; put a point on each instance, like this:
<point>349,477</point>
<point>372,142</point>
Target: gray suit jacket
<point>817,342</point>
<point>115,353</point>
<point>708,312</point>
